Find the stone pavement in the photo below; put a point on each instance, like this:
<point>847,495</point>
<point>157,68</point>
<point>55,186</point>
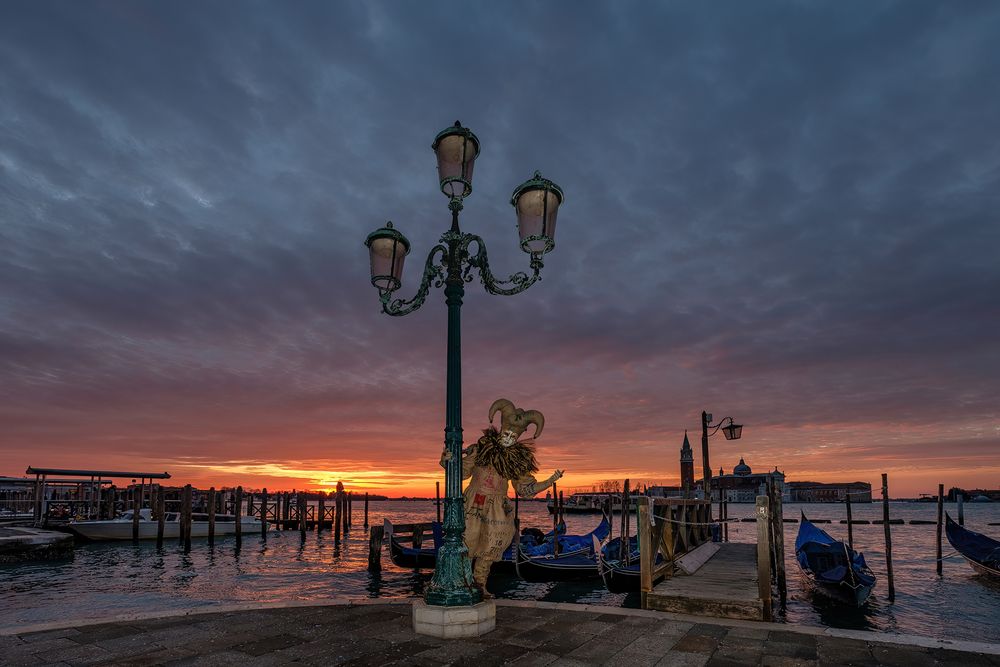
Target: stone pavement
<point>527,634</point>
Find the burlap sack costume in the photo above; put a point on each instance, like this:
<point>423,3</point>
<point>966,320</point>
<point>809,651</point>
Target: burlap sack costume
<point>495,461</point>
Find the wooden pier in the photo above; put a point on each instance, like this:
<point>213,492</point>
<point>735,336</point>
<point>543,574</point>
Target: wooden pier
<point>724,587</point>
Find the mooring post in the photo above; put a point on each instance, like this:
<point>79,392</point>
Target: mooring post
<point>186,518</point>
<point>418,536</point>
<point>321,511</point>
<point>961,509</point>
<point>763,556</point>
<point>888,536</point>
<point>366,510</point>
<point>212,502</point>
<point>850,522</point>
<point>160,515</point>
<point>302,513</point>
<point>779,545</point>
<point>238,515</point>
<point>348,515</point>
<point>940,521</point>
<point>136,505</point>
<point>375,548</point>
<point>437,499</point>
<point>338,504</point>
<point>263,513</point>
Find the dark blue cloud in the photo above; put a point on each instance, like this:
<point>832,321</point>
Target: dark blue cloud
<point>786,208</point>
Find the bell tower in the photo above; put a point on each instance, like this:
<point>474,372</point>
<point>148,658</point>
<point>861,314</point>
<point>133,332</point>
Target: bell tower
<point>687,464</point>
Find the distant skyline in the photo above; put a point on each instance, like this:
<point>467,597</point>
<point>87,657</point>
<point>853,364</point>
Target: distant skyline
<point>782,212</point>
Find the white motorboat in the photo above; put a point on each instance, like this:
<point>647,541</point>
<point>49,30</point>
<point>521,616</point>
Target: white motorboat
<point>121,527</point>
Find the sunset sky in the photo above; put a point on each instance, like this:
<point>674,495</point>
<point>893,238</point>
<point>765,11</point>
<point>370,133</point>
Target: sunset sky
<point>784,212</point>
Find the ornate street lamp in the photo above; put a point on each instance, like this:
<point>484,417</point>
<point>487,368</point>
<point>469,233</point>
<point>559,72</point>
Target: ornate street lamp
<point>732,431</point>
<point>451,263</point>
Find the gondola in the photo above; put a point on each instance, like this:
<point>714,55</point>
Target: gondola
<point>404,556</point>
<point>835,570</point>
<point>982,553</point>
<point>575,562</point>
<point>621,575</point>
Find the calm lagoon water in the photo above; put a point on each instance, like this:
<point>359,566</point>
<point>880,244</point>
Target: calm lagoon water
<point>105,580</point>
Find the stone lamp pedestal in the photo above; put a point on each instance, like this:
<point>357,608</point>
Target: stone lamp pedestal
<point>454,622</point>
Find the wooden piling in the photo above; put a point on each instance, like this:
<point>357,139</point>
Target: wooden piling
<point>263,514</point>
<point>160,515</point>
<point>555,519</point>
<point>778,539</point>
<point>320,511</point>
<point>940,522</point>
<point>366,510</point>
<point>349,507</point>
<point>960,498</point>
<point>337,509</point>
<point>302,513</point>
<point>437,499</point>
<point>287,512</point>
<point>186,518</point>
<point>850,524</point>
<point>136,506</point>
<point>212,502</point>
<point>763,556</point>
<point>418,536</point>
<point>375,536</point>
<point>888,537</point>
<point>238,515</point>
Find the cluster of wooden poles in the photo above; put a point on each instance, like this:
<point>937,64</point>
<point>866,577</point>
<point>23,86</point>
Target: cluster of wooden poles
<point>288,510</point>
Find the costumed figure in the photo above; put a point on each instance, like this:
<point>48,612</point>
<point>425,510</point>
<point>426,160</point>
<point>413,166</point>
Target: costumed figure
<point>498,457</point>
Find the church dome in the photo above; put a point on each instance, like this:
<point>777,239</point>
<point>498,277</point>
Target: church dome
<point>741,468</point>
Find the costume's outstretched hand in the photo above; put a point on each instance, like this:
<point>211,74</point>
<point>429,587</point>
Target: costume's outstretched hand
<point>556,475</point>
<point>445,457</point>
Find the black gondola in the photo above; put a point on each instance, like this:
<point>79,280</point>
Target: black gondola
<point>981,552</point>
<point>835,569</point>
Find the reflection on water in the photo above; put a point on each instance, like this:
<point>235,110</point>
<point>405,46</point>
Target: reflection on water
<point>111,579</point>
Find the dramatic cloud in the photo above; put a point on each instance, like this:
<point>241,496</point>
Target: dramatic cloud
<point>784,212</point>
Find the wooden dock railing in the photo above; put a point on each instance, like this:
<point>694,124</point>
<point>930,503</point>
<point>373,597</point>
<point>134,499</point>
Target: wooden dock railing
<point>669,527</point>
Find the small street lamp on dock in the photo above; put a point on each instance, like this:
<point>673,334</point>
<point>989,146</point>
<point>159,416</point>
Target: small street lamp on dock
<point>731,430</point>
<point>451,263</point>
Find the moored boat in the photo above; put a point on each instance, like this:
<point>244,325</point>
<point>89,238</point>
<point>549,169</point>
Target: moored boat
<point>981,552</point>
<point>835,569</point>
<point>121,527</point>
<point>575,560</point>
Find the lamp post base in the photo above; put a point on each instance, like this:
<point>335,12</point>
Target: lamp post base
<point>454,622</point>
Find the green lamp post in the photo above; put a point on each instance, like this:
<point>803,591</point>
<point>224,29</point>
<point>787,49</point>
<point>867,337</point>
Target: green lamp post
<point>451,263</point>
<point>732,431</point>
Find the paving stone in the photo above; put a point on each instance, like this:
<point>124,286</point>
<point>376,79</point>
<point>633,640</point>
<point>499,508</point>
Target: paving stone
<point>682,659</point>
<point>532,638</point>
<point>46,635</point>
<point>947,657</point>
<point>785,661</point>
<point>788,637</point>
<point>693,643</point>
<point>734,659</point>
<point>629,658</point>
<point>748,633</point>
<point>902,656</point>
<point>569,662</point>
<point>268,644</point>
<point>592,627</point>
<point>708,630</point>
<point>564,643</point>
<point>536,659</point>
<point>81,654</point>
<point>595,651</point>
<point>668,628</point>
<point>654,644</point>
<point>790,650</point>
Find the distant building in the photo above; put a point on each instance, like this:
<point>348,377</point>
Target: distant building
<point>743,485</point>
<point>833,492</point>
<point>974,495</point>
<point>687,464</point>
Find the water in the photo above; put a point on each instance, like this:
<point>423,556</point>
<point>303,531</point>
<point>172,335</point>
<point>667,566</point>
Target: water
<point>105,580</point>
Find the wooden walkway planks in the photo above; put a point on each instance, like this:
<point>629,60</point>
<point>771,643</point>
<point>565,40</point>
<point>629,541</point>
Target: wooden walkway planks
<point>724,587</point>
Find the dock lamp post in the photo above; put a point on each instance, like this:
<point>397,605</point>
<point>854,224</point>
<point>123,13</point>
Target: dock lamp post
<point>731,430</point>
<point>451,263</point>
